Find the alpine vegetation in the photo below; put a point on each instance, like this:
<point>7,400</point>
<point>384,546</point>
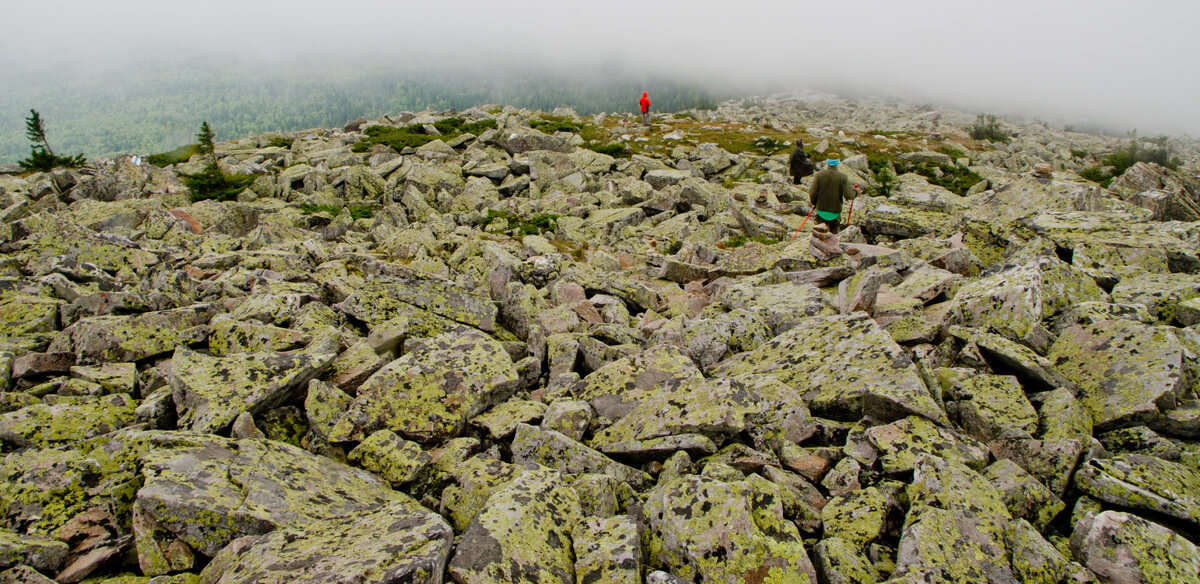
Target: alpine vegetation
<point>501,345</point>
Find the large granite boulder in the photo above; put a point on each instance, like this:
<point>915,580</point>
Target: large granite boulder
<point>1126,371</point>
<point>707,530</point>
<point>1148,483</point>
<point>1120,547</point>
<point>210,392</point>
<point>395,543</point>
<point>134,337</point>
<point>523,535</point>
<point>845,367</point>
<point>206,491</point>
<point>431,393</point>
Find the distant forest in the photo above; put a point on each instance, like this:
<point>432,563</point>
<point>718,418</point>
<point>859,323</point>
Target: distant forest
<point>147,108</point>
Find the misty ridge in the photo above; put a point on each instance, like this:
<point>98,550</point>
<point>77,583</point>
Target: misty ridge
<point>134,76</point>
<point>152,107</point>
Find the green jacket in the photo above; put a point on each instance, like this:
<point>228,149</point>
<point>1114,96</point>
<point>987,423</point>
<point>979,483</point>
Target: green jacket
<point>829,188</point>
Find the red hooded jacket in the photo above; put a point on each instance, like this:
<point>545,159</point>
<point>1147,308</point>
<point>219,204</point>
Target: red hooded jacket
<point>645,101</point>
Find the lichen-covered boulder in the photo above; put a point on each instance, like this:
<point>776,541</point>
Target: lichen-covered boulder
<point>1050,461</point>
<point>956,526</point>
<point>858,517</point>
<point>1144,482</point>
<point>1161,293</point>
<point>1025,496</point>
<point>608,550</point>
<point>22,315</point>
<point>47,555</point>
<point>390,457</point>
<point>1120,547</point>
<point>502,420</point>
<point>845,367</point>
<point>768,410</point>
<point>210,392</point>
<point>618,387</point>
<point>557,451</point>
<point>571,417</point>
<point>1037,561</point>
<point>113,377</point>
<point>1085,313</point>
<point>67,420</point>
<point>207,491</point>
<point>706,530</point>
<point>1125,370</point>
<point>228,335</point>
<point>132,338</point>
<point>429,394</point>
<point>42,490</point>
<point>984,405</point>
<point>1014,302</point>
<point>522,535</point>
<point>709,340</point>
<point>473,481</point>
<point>395,543</point>
<point>1033,370</point>
<point>782,306</point>
<point>1062,417</point>
<point>901,444</point>
<point>840,562</point>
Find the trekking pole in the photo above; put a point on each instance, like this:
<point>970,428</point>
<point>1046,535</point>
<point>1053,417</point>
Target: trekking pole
<point>802,223</point>
<point>850,213</point>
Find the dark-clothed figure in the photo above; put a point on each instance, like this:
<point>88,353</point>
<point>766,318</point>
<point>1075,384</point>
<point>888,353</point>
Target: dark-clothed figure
<point>800,165</point>
<point>645,103</point>
<point>829,188</point>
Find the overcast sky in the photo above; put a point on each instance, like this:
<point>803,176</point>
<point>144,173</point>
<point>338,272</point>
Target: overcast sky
<point>1128,64</point>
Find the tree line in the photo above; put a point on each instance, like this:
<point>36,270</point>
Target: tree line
<point>155,108</point>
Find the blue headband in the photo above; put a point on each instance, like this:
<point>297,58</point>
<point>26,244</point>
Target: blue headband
<point>832,162</point>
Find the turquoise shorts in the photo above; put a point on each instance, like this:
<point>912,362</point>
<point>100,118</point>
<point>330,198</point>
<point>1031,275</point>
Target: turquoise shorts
<point>828,216</point>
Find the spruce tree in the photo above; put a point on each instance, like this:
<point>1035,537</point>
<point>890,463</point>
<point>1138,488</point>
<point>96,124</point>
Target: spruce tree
<point>205,137</point>
<point>41,157</point>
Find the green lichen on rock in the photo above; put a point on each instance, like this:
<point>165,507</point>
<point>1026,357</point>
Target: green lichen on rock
<point>211,391</point>
<point>841,562</point>
<point>851,367</point>
<point>132,338</point>
<point>502,420</point>
<point>208,491</point>
<point>1144,482</point>
<point>1161,293</point>
<point>608,550</point>
<point>523,535</point>
<point>1118,546</point>
<point>1025,496</point>
<point>557,451</point>
<point>857,517</point>
<point>391,457</point>
<point>1062,417</point>
<point>228,336</point>
<point>903,443</point>
<point>22,314</point>
<point>430,393</point>
<point>708,530</point>
<point>986,405</point>
<point>1125,370</point>
<point>47,555</point>
<point>46,425</point>
<point>475,481</point>
<point>394,543</point>
<point>1035,560</point>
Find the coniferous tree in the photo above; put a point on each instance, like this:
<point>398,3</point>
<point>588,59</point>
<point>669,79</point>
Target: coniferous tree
<point>41,157</point>
<point>211,182</point>
<point>205,137</point>
<point>35,130</point>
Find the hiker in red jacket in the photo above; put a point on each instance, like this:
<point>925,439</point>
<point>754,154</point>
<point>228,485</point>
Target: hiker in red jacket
<point>645,101</point>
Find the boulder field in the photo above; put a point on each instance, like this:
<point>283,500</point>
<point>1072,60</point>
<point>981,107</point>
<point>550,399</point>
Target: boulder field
<point>599,355</point>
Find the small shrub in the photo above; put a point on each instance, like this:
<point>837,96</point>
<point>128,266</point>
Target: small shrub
<point>615,150</point>
<point>1076,153</point>
<point>738,240</point>
<point>42,161</point>
<point>1097,174</point>
<point>551,127</point>
<point>882,185</point>
<point>176,156</point>
<point>280,142</point>
<point>955,179</point>
<point>952,152</point>
<point>309,209</point>
<point>361,212</point>
<point>538,225</point>
<point>211,183</point>
<point>987,127</point>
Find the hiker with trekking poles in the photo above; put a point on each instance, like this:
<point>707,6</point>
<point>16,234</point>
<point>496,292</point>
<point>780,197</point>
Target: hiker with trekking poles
<point>829,188</point>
